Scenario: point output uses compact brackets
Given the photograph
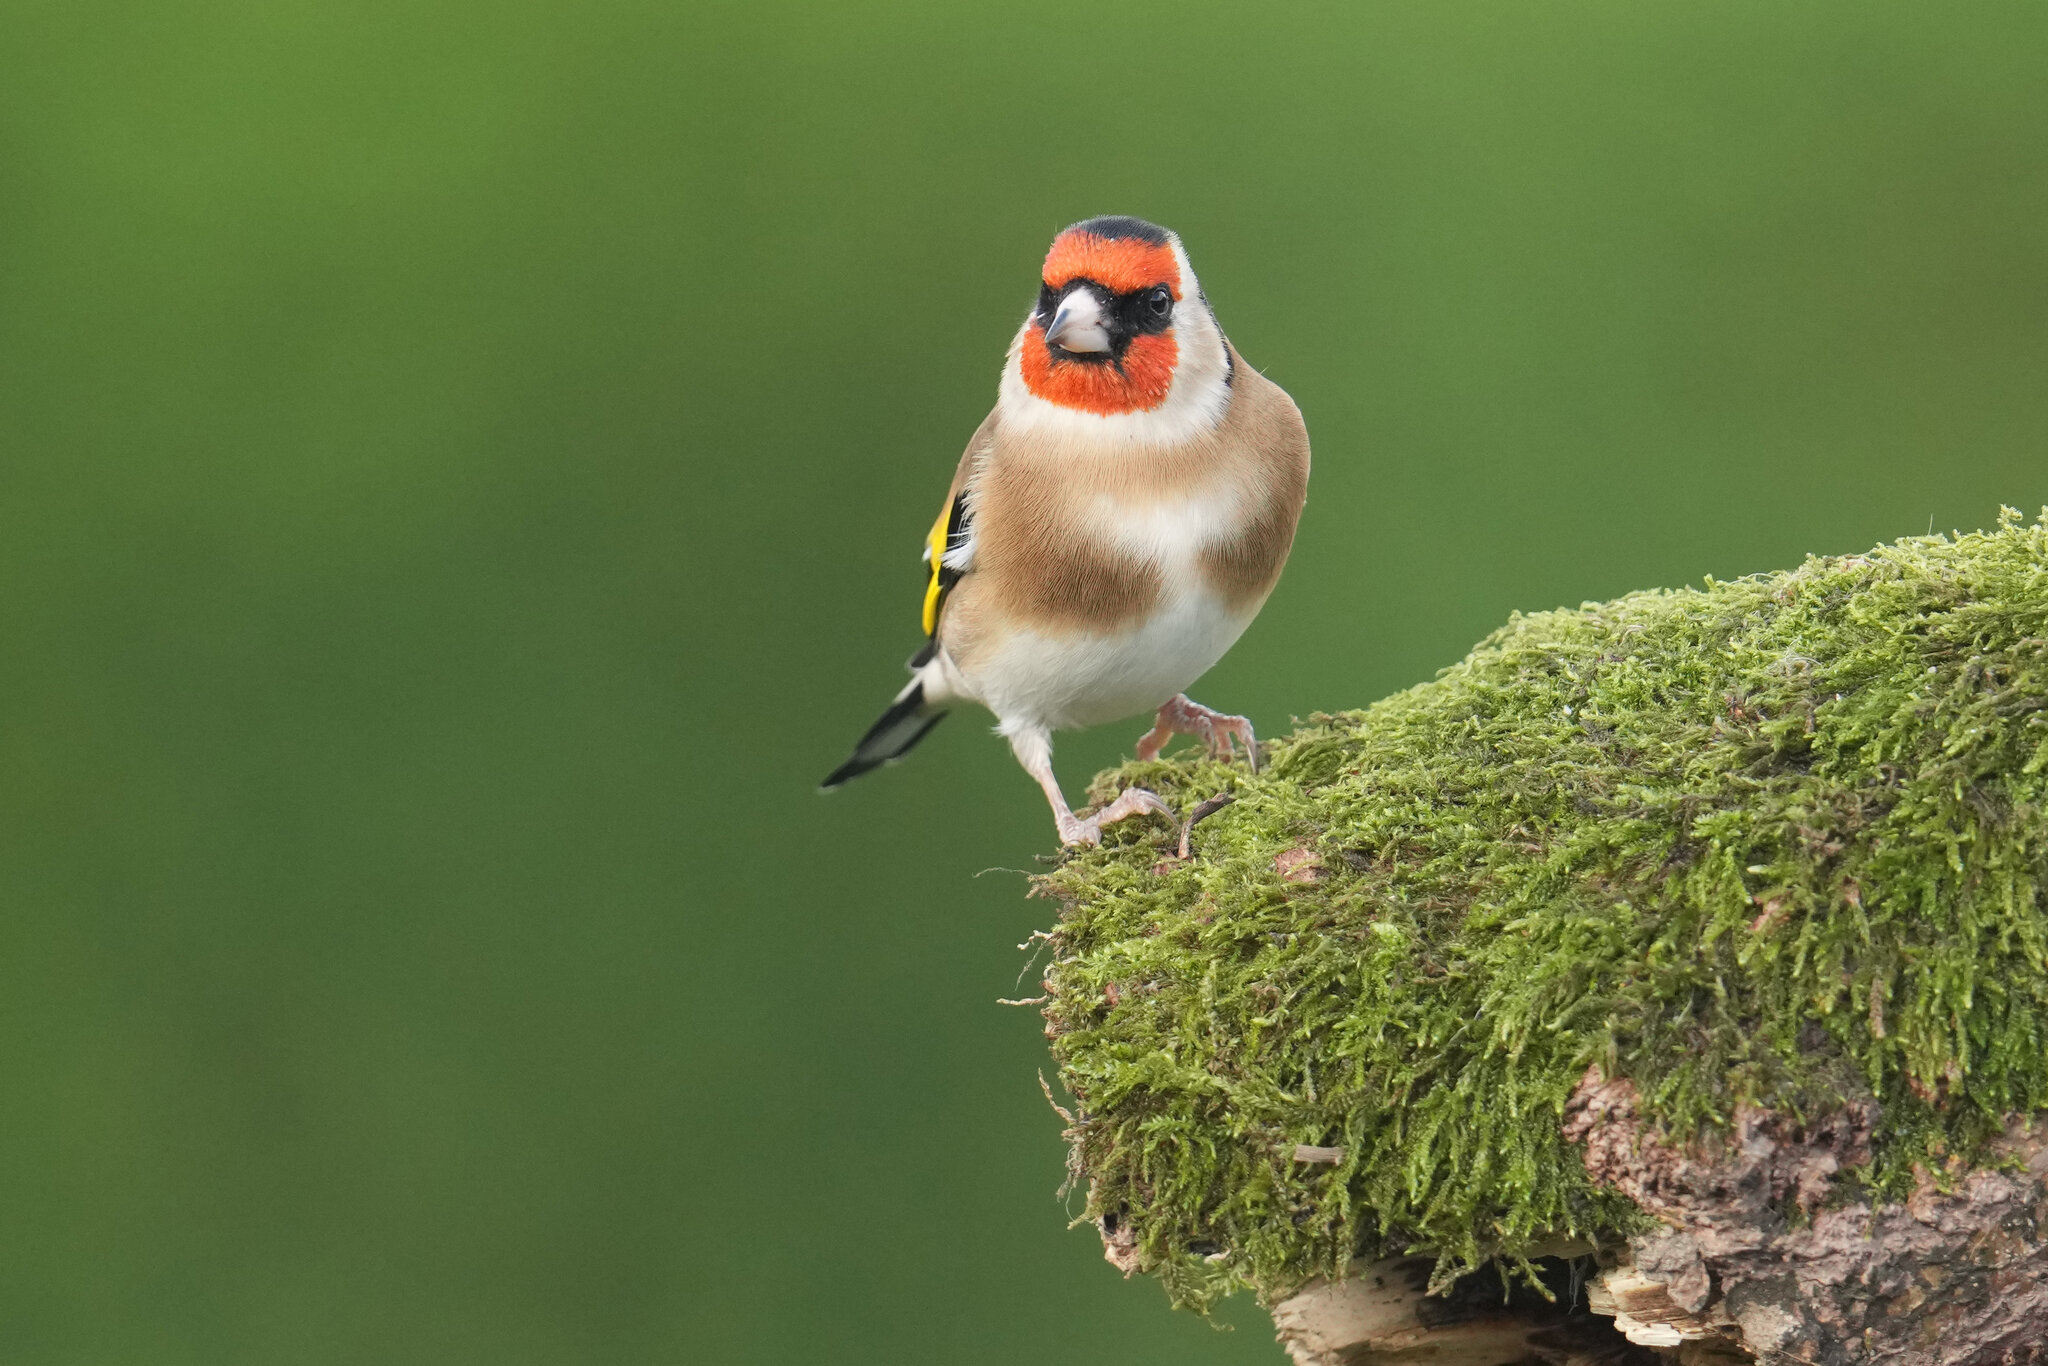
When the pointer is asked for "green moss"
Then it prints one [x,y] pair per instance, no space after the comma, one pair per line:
[1779,841]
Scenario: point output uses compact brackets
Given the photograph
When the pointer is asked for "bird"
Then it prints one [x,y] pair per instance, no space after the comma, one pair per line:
[1113,526]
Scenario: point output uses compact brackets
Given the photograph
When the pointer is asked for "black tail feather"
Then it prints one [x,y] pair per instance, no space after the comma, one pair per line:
[901,727]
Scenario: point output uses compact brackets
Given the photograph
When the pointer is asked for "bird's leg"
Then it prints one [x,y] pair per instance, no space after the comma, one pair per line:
[1216,730]
[1033,748]
[1154,740]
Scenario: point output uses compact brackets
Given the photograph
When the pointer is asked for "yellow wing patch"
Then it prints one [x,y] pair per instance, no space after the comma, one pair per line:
[936,542]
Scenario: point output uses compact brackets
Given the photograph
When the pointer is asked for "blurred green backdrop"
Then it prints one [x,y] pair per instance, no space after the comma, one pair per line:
[461,470]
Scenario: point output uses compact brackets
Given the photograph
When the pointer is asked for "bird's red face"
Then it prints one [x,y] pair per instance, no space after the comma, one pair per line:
[1101,338]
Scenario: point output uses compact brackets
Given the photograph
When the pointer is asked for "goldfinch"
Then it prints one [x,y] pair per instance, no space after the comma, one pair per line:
[1114,525]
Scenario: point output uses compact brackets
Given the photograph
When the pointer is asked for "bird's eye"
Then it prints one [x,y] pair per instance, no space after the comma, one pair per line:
[1160,301]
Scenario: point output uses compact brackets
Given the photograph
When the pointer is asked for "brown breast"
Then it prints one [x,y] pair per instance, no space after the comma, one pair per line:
[1039,562]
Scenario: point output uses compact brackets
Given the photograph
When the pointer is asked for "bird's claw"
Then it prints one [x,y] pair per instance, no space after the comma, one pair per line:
[1221,731]
[1216,730]
[1086,831]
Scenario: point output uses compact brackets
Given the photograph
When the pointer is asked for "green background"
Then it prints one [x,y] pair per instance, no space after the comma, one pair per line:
[461,470]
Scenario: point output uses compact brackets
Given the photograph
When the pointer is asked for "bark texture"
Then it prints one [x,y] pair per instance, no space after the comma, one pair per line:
[1382,1315]
[1755,1263]
[1957,1275]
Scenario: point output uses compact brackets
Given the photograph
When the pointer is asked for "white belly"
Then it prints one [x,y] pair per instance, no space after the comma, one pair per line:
[1069,681]
[1065,683]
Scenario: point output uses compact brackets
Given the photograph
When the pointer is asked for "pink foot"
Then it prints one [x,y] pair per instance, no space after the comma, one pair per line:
[1087,830]
[1215,729]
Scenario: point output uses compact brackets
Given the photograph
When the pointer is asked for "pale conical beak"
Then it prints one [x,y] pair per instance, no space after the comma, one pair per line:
[1078,326]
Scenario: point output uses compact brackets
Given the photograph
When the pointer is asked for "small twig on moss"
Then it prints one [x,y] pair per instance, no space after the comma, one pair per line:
[1202,813]
[1062,1111]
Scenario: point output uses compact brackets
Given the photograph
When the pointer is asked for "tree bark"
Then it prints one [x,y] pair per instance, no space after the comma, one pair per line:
[1755,1263]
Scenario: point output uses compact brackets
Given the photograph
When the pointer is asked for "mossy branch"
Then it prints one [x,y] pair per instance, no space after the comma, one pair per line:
[1778,844]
